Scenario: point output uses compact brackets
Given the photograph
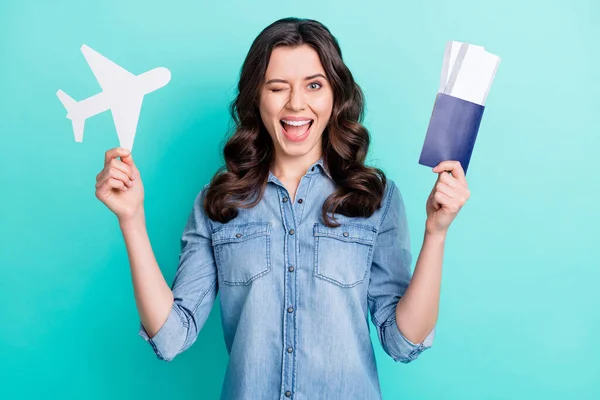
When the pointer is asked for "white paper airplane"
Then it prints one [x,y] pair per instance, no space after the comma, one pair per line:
[122,93]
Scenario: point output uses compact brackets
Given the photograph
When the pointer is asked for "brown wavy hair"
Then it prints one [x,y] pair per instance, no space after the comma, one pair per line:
[249,152]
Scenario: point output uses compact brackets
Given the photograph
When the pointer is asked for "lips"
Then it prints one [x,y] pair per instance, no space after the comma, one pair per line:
[296,130]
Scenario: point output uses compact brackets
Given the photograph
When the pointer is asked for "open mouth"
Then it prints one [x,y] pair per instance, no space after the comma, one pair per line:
[296,129]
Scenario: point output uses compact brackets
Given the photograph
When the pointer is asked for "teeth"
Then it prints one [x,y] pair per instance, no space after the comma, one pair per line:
[296,123]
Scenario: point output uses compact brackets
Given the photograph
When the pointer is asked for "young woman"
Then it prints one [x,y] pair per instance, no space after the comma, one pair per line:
[301,239]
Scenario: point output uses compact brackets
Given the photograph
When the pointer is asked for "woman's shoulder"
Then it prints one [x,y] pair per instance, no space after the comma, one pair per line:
[200,194]
[391,191]
[392,199]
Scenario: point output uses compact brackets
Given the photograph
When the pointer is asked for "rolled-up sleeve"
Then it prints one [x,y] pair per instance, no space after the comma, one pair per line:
[390,276]
[194,288]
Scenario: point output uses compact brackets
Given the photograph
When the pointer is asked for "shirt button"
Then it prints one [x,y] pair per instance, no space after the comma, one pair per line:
[345,234]
[285,199]
[289,349]
[291,231]
[290,309]
[291,268]
[238,235]
[300,201]
[288,394]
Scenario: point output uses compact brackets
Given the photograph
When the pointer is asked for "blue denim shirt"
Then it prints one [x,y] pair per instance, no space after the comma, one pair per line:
[295,295]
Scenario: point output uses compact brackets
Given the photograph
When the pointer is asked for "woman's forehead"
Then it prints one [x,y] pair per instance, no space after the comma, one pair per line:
[293,63]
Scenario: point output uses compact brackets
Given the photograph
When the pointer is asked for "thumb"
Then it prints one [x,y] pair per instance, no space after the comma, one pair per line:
[128,159]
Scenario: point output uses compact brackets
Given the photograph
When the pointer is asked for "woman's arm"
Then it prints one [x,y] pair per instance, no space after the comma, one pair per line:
[119,186]
[417,310]
[153,295]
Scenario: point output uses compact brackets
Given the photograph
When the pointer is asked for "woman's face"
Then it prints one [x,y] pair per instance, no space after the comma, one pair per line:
[296,102]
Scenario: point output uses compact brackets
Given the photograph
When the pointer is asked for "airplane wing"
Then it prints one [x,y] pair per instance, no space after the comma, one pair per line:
[109,75]
[126,113]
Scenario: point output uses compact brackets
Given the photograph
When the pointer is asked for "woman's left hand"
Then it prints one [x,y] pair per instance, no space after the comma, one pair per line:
[448,196]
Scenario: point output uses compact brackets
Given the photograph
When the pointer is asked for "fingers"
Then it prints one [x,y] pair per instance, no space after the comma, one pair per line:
[125,164]
[114,173]
[449,180]
[457,192]
[454,167]
[128,160]
[123,167]
[116,169]
[118,182]
[440,199]
[451,199]
[113,183]
[446,189]
[114,153]
[108,186]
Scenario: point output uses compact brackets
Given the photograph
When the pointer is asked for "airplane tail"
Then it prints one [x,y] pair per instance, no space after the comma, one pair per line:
[66,100]
[70,105]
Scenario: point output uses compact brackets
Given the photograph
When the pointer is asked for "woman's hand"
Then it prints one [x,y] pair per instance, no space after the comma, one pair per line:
[119,185]
[448,196]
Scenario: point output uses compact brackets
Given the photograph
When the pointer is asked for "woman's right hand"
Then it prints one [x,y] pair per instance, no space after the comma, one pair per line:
[119,185]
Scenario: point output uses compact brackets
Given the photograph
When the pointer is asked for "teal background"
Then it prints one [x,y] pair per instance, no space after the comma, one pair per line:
[519,309]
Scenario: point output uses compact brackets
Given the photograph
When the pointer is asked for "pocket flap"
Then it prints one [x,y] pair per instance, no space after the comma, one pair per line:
[240,232]
[359,233]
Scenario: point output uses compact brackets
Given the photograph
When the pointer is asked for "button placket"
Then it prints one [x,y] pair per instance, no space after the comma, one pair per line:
[290,288]
[300,202]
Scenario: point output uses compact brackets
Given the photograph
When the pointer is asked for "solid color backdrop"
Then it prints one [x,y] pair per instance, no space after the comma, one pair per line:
[519,309]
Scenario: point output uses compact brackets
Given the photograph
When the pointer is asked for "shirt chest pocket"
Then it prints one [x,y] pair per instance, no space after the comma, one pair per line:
[242,252]
[343,254]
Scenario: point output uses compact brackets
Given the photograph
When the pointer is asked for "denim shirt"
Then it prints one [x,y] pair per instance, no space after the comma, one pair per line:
[295,295]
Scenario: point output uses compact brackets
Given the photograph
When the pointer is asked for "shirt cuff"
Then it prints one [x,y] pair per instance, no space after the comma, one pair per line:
[400,347]
[170,338]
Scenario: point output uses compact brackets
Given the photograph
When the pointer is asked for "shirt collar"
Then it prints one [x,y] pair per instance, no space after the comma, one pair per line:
[316,168]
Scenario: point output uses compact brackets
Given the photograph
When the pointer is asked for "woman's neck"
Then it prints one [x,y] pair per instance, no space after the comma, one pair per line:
[290,170]
[293,168]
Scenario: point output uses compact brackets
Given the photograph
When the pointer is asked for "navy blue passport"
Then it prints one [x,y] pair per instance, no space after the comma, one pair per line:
[452,131]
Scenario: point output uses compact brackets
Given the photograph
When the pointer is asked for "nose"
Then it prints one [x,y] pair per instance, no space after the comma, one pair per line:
[296,101]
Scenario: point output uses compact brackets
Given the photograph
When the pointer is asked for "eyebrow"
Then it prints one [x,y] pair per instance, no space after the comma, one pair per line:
[306,79]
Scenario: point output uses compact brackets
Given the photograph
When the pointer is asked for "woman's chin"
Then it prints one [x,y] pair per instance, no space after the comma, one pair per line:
[296,149]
